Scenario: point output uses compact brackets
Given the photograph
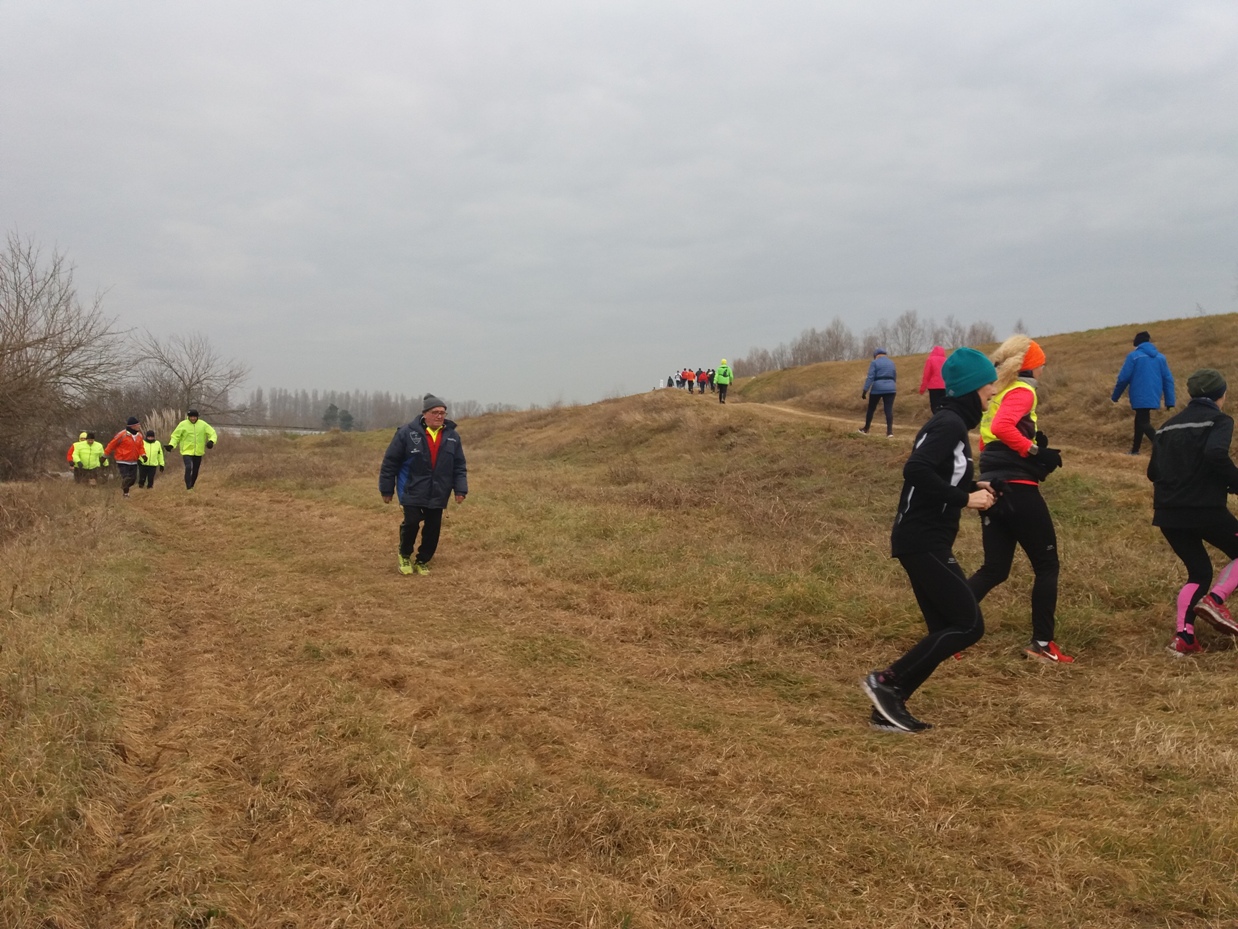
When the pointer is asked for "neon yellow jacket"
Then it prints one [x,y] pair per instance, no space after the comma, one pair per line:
[191,438]
[154,455]
[88,456]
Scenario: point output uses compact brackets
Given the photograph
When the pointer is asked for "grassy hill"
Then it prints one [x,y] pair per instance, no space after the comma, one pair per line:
[626,696]
[1079,377]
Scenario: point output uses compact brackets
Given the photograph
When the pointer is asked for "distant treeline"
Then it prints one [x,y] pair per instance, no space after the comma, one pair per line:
[348,410]
[907,335]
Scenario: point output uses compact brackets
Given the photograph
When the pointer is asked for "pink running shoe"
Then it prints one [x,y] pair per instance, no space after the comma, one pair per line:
[1217,615]
[1180,648]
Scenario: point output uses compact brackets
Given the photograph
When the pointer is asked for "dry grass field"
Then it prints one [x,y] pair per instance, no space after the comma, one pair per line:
[625,697]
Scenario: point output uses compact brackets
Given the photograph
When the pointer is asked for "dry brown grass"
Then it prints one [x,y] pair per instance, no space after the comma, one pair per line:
[625,697]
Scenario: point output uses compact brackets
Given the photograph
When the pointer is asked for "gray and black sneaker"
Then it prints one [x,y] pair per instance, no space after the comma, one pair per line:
[879,723]
[889,705]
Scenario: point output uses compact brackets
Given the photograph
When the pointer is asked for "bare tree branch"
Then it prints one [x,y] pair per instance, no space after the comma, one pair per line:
[186,371]
[55,353]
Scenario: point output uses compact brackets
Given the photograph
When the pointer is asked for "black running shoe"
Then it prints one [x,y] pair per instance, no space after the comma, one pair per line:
[889,704]
[879,723]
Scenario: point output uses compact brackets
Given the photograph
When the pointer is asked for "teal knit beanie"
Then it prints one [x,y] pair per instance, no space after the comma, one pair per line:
[966,370]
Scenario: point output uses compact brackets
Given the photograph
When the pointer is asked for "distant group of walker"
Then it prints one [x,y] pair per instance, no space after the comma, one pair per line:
[139,456]
[1145,372]
[712,379]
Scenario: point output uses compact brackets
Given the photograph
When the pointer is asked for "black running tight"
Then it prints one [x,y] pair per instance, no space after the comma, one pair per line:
[950,612]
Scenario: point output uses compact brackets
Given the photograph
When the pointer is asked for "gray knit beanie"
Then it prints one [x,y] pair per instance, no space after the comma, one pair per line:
[430,401]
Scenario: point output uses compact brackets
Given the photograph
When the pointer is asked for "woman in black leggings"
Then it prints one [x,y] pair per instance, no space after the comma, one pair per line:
[1014,459]
[937,486]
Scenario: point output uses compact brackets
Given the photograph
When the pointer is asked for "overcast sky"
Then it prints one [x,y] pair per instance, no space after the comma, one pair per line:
[535,201]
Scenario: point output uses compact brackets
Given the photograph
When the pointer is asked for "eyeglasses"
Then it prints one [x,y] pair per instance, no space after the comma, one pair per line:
[435,413]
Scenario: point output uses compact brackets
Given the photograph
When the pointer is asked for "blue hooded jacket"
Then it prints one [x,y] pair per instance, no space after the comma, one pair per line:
[1146,372]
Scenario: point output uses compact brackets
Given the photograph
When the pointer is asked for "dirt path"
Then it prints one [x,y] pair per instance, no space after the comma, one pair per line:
[219,706]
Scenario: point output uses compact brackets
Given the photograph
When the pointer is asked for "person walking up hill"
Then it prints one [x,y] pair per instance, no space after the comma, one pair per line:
[937,486]
[931,379]
[1014,459]
[880,384]
[1192,475]
[1146,372]
[723,378]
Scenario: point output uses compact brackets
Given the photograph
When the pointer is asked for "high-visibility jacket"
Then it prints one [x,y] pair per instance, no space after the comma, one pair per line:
[154,455]
[723,375]
[68,456]
[88,454]
[126,447]
[191,438]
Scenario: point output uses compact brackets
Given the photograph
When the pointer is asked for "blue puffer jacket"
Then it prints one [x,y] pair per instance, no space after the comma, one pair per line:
[406,466]
[881,376]
[1146,372]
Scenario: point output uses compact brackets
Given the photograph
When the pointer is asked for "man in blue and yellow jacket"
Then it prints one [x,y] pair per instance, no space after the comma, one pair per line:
[192,437]
[424,465]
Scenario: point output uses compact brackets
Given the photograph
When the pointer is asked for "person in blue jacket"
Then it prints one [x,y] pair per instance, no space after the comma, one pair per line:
[1146,373]
[880,385]
[424,465]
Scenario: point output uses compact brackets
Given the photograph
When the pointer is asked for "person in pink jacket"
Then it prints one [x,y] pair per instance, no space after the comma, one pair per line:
[932,380]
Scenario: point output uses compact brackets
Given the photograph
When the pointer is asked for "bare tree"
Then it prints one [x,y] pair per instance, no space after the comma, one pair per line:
[980,333]
[186,371]
[839,344]
[908,335]
[55,353]
[876,337]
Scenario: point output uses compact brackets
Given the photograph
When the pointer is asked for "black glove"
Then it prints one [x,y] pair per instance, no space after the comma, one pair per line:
[168,448]
[863,394]
[1042,440]
[210,444]
[78,466]
[161,467]
[1050,459]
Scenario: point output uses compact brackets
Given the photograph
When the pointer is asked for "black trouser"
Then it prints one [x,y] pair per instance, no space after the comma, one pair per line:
[431,521]
[193,464]
[128,475]
[722,392]
[1188,545]
[1021,518]
[937,396]
[950,611]
[888,399]
[146,475]
[1143,419]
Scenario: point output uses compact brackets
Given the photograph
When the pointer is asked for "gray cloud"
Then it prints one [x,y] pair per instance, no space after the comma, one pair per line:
[527,202]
